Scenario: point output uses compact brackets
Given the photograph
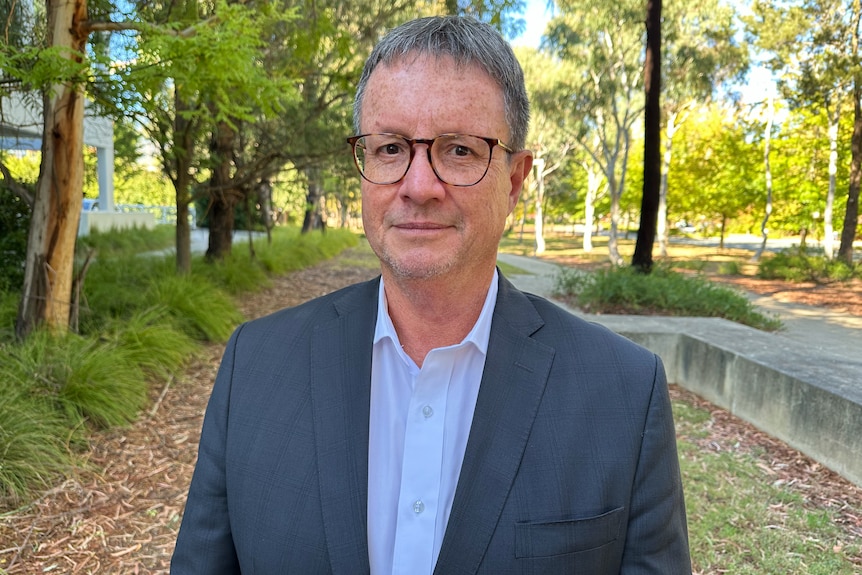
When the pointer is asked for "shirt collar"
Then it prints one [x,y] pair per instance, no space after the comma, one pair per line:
[479,335]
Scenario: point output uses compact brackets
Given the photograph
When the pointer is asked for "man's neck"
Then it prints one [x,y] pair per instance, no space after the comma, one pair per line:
[432,313]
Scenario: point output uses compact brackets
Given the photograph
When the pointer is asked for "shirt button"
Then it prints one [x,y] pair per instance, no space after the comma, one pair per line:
[427,411]
[418,506]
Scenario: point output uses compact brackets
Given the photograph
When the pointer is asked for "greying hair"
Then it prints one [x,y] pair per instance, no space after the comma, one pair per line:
[468,42]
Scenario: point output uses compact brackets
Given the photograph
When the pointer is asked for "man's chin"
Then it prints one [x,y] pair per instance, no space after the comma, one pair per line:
[417,268]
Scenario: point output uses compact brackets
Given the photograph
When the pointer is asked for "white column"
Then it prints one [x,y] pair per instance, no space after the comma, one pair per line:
[105,171]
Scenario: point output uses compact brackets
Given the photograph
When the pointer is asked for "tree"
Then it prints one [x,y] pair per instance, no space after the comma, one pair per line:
[813,46]
[642,258]
[550,135]
[717,176]
[602,42]
[48,273]
[700,55]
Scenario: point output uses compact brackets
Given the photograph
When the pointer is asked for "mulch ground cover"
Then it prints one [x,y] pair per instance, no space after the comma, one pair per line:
[119,512]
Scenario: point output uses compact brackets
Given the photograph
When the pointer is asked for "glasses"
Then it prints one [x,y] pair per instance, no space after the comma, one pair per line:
[457,159]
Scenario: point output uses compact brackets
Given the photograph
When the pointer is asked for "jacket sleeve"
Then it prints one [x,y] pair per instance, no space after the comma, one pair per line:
[205,544]
[657,538]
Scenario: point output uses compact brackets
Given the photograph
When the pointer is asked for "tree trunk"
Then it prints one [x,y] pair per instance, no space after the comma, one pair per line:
[828,241]
[313,219]
[223,197]
[642,258]
[661,224]
[264,196]
[49,268]
[183,144]
[764,231]
[848,233]
[594,180]
[613,232]
[539,164]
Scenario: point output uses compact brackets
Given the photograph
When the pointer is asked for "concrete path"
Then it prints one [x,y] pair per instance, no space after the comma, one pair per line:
[819,328]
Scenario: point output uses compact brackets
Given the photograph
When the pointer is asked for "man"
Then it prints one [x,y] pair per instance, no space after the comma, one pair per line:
[436,419]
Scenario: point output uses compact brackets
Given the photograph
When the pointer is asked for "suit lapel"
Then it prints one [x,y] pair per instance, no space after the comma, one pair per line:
[340,393]
[516,371]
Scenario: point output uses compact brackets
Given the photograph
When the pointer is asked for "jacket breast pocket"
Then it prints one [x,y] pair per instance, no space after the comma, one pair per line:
[547,539]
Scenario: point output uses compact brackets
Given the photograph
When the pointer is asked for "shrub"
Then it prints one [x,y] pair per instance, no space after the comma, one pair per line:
[139,321]
[662,292]
[32,448]
[86,379]
[152,341]
[797,265]
[14,228]
[199,308]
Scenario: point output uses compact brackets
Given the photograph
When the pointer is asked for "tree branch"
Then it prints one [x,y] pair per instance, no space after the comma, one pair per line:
[16,187]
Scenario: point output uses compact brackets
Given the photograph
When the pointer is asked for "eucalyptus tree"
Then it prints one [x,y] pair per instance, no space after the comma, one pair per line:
[813,47]
[56,67]
[603,43]
[701,55]
[716,178]
[550,136]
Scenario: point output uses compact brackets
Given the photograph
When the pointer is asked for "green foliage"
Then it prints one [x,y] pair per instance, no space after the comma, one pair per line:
[662,292]
[200,309]
[127,242]
[140,322]
[292,251]
[152,341]
[798,265]
[86,379]
[14,228]
[8,311]
[33,450]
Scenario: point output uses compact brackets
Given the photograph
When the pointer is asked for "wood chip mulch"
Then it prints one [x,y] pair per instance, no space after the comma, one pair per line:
[119,512]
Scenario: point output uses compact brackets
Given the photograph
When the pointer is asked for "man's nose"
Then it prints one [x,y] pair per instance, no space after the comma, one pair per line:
[421,183]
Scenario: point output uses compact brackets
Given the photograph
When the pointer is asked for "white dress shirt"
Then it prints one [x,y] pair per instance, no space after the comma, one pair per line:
[419,423]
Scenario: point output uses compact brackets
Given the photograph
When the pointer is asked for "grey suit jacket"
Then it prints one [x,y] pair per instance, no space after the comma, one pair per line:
[570,466]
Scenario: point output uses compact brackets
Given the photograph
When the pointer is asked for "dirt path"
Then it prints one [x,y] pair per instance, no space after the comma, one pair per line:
[120,513]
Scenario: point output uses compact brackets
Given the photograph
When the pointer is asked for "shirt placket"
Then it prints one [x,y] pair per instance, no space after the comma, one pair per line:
[419,499]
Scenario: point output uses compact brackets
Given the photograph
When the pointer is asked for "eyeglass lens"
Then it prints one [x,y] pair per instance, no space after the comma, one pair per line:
[457,159]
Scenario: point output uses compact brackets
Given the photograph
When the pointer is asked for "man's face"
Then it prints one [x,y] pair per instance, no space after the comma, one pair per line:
[420,227]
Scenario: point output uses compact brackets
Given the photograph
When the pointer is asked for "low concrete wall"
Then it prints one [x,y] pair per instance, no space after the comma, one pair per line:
[807,398]
[106,221]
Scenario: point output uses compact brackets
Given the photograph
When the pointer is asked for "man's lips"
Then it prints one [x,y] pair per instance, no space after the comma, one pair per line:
[420,226]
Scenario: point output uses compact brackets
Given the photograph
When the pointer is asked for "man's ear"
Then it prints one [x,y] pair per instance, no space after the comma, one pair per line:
[519,169]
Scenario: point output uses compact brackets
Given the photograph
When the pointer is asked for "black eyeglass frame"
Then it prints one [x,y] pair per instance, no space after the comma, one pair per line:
[492,142]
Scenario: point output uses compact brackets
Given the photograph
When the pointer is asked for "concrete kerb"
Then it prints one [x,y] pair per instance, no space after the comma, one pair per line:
[804,395]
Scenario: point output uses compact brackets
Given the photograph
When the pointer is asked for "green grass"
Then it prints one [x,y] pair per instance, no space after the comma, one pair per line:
[198,307]
[742,521]
[33,449]
[88,379]
[139,323]
[510,270]
[127,242]
[662,292]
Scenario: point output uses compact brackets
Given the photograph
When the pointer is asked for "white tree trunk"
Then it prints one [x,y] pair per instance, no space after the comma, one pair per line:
[828,241]
[661,224]
[539,166]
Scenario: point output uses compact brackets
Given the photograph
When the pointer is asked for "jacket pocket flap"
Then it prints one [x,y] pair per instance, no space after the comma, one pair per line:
[547,539]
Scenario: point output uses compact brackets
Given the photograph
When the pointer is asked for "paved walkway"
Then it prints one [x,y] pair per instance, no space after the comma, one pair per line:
[817,327]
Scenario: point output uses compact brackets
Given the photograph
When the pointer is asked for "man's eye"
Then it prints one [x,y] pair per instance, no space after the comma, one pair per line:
[460,150]
[391,149]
